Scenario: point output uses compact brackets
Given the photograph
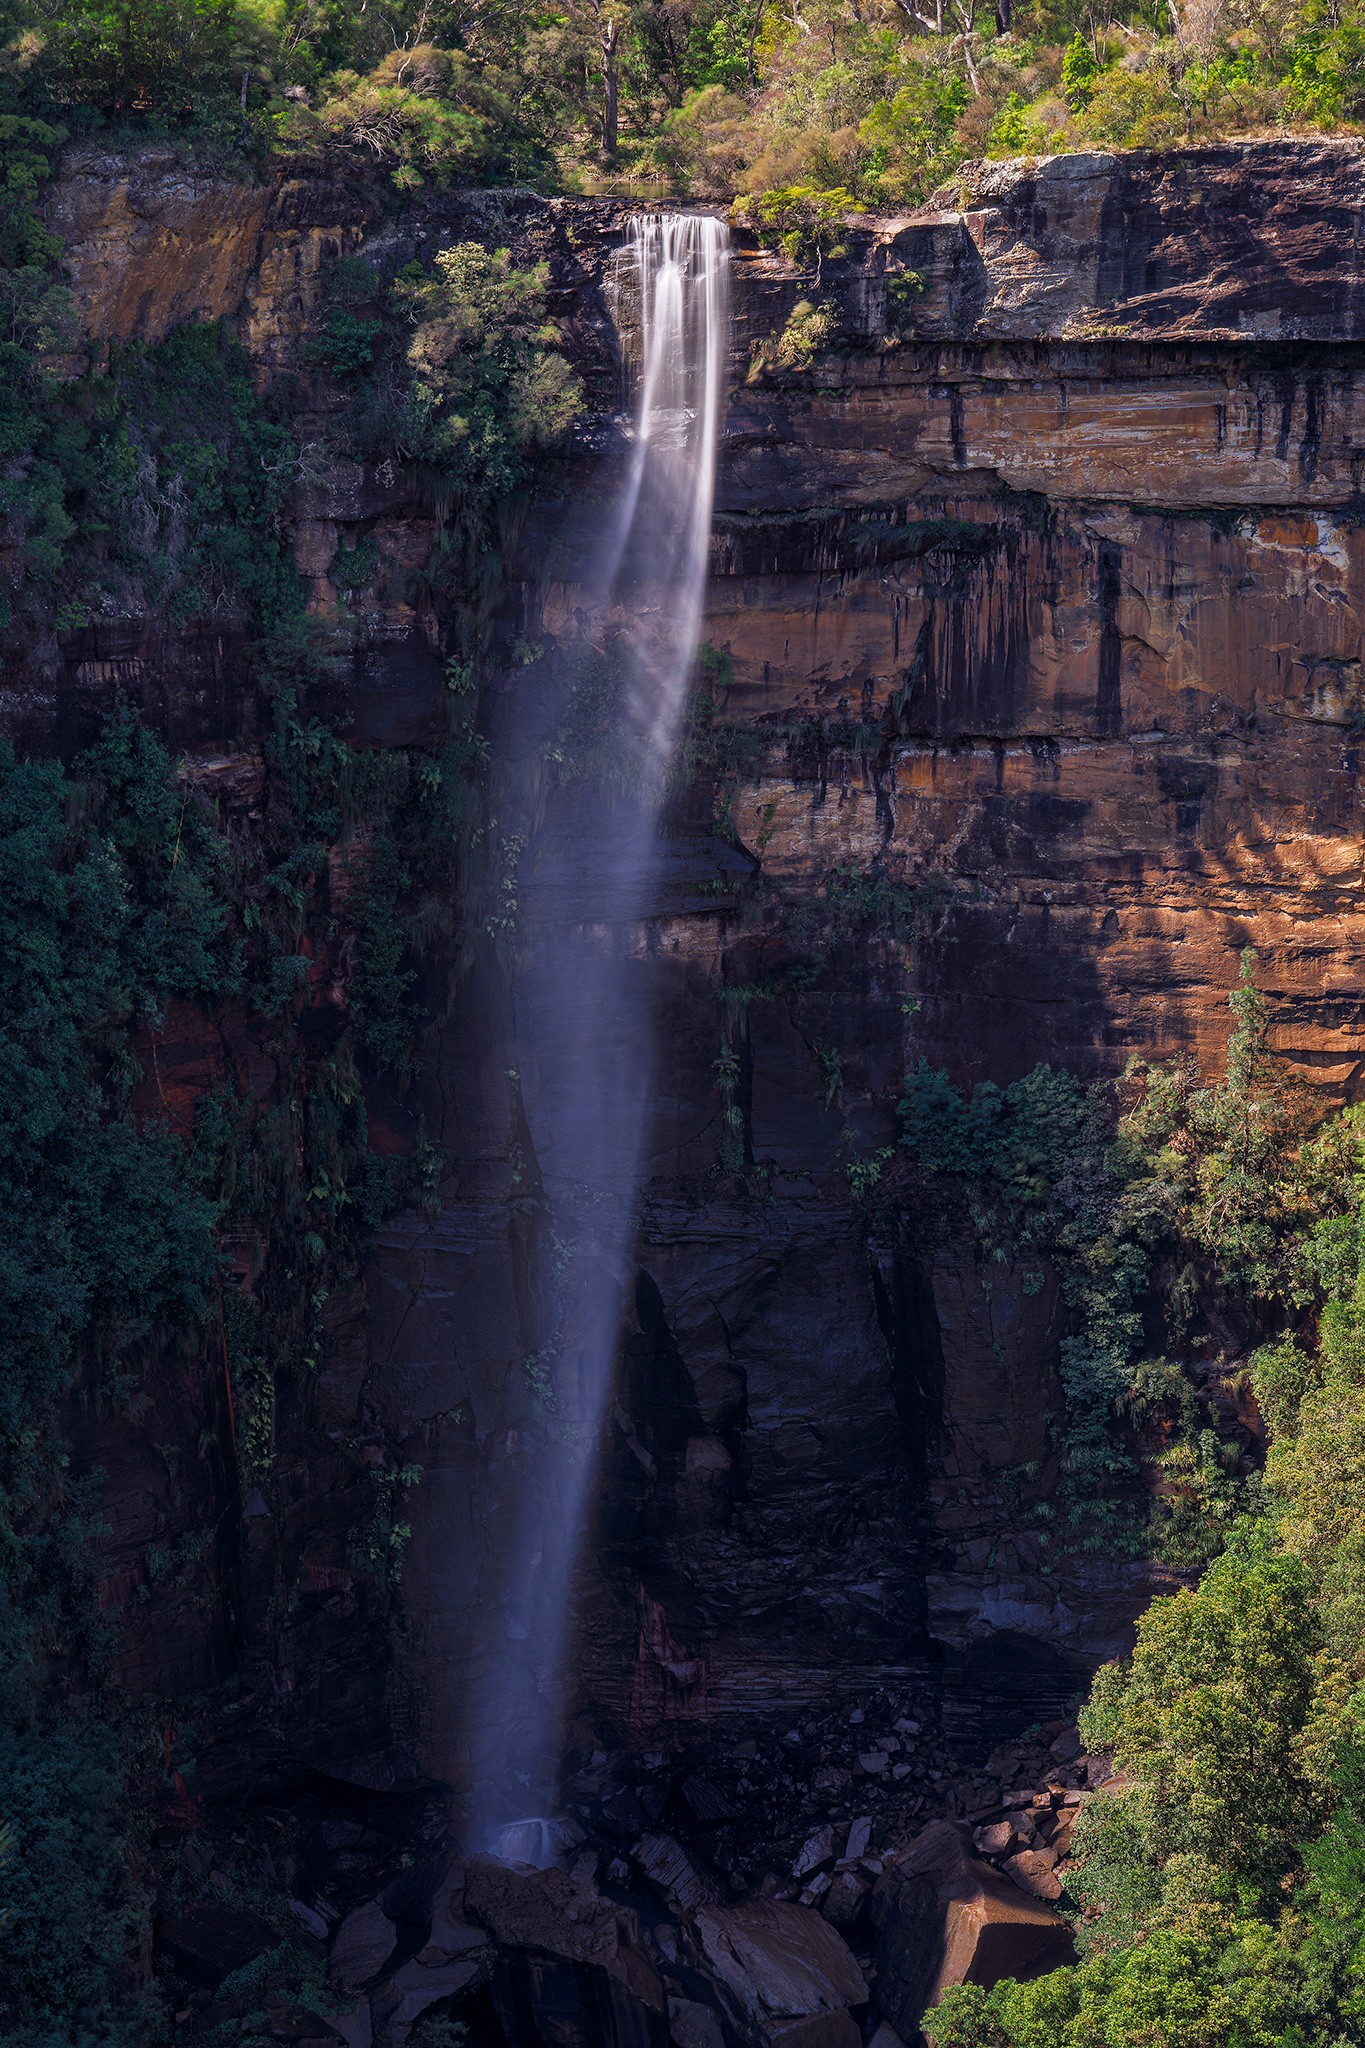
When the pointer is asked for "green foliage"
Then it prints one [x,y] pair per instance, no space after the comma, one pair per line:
[148,56]
[903,289]
[1223,1879]
[1018,130]
[1080,68]
[1222,1185]
[111,903]
[103,921]
[1208,1713]
[120,895]
[808,332]
[490,384]
[805,224]
[72,1895]
[155,487]
[424,113]
[346,345]
[868,106]
[382,977]
[1222,1983]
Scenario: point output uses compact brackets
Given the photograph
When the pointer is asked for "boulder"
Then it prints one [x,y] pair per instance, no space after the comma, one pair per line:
[996,1840]
[1032,1870]
[784,1975]
[364,1942]
[451,1936]
[356,2028]
[208,1942]
[859,1837]
[818,1851]
[945,1917]
[673,1873]
[693,2026]
[399,2002]
[571,1967]
[708,1806]
[842,1904]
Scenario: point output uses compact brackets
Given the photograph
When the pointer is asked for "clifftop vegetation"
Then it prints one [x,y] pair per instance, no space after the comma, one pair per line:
[830,103]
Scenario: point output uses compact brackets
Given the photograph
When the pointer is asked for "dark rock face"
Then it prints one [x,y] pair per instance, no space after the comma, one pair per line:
[210,1942]
[1049,610]
[572,1967]
[944,1917]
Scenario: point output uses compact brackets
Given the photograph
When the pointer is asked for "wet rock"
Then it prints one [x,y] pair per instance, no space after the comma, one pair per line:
[944,1917]
[785,1974]
[571,1965]
[364,1942]
[208,1942]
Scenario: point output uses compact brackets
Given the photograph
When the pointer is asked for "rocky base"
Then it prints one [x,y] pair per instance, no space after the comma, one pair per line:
[791,1889]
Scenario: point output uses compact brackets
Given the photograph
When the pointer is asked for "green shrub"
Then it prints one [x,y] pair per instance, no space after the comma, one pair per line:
[1208,1713]
[490,385]
[74,1886]
[805,224]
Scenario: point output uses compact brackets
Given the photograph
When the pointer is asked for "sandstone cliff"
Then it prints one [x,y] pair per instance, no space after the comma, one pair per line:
[1045,610]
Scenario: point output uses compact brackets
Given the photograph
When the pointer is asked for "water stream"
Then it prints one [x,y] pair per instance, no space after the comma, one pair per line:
[583,1019]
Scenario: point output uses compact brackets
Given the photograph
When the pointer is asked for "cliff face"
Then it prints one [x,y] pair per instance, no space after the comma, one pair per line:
[1045,612]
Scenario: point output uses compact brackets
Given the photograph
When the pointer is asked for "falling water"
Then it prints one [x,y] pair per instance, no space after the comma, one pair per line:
[583,1022]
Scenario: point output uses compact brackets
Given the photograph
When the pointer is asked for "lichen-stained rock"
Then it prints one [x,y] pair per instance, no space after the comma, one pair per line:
[1255,239]
[787,1977]
[944,1917]
[149,242]
[571,1968]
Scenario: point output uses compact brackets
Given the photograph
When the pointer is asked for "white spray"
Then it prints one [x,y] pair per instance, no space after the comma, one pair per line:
[582,1011]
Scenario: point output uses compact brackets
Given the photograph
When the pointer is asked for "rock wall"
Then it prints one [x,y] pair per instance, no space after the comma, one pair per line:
[1046,611]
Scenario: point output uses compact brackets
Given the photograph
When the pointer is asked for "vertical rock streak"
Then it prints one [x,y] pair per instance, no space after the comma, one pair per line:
[583,1026]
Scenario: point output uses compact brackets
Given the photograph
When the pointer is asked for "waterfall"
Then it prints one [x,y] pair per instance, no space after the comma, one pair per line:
[583,1024]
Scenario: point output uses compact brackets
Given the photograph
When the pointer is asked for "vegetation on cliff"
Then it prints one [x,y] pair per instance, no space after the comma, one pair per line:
[1221,1888]
[281,922]
[134,909]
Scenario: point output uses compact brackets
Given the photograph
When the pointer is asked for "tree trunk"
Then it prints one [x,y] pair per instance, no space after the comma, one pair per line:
[610,114]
